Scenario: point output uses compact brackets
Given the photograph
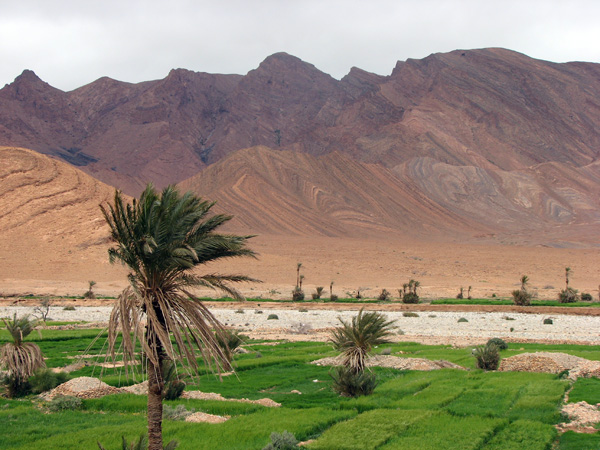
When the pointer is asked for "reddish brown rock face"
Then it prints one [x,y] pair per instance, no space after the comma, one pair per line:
[486,143]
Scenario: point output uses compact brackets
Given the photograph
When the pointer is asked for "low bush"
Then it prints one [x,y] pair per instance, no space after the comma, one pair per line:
[487,357]
[522,297]
[15,386]
[384,296]
[273,317]
[410,297]
[386,351]
[500,343]
[45,379]
[462,320]
[239,311]
[548,321]
[69,308]
[333,298]
[348,383]
[298,295]
[282,441]
[141,444]
[178,412]
[409,314]
[568,295]
[64,403]
[586,297]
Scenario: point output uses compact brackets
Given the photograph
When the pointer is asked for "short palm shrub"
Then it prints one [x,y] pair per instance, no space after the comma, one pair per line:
[45,379]
[500,343]
[273,317]
[522,297]
[586,297]
[282,441]
[568,295]
[333,298]
[89,294]
[298,295]
[548,321]
[20,359]
[349,383]
[384,296]
[410,297]
[64,403]
[355,340]
[318,292]
[487,357]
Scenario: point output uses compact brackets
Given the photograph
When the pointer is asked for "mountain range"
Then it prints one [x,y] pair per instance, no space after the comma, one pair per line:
[481,144]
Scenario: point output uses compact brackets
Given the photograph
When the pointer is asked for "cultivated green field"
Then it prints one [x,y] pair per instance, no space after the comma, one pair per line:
[445,409]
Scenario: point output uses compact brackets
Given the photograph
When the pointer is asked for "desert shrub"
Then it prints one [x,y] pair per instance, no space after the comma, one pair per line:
[239,311]
[69,308]
[349,383]
[333,298]
[500,343]
[410,297]
[45,379]
[409,314]
[384,296]
[318,292]
[386,351]
[89,294]
[298,295]
[16,386]
[508,318]
[521,297]
[462,320]
[282,441]
[303,310]
[487,357]
[64,403]
[586,297]
[548,321]
[178,412]
[568,295]
[273,317]
[258,354]
[230,340]
[258,311]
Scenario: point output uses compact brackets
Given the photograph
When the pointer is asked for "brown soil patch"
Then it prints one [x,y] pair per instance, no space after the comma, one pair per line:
[548,362]
[206,418]
[213,396]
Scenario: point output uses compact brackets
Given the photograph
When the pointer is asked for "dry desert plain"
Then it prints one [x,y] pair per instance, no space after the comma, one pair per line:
[351,263]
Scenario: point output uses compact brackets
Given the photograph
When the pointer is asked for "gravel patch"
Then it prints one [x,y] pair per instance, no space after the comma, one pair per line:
[440,325]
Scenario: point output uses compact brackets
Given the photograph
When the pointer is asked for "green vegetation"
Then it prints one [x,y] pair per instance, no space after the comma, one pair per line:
[442,409]
[489,301]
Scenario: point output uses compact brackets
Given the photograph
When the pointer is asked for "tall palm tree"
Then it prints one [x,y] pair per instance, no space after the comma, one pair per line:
[21,359]
[161,238]
[356,339]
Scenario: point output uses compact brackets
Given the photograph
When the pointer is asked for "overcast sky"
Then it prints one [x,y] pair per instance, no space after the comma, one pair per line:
[69,43]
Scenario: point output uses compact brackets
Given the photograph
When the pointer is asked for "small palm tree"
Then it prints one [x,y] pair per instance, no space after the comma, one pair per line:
[162,238]
[21,359]
[567,273]
[356,339]
[298,266]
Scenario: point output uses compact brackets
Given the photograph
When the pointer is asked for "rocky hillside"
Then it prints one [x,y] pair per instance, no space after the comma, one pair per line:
[478,142]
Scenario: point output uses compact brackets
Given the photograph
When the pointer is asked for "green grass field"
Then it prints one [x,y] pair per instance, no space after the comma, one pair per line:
[444,409]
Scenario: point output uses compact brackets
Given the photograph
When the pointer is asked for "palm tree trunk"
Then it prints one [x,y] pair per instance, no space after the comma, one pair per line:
[155,406]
